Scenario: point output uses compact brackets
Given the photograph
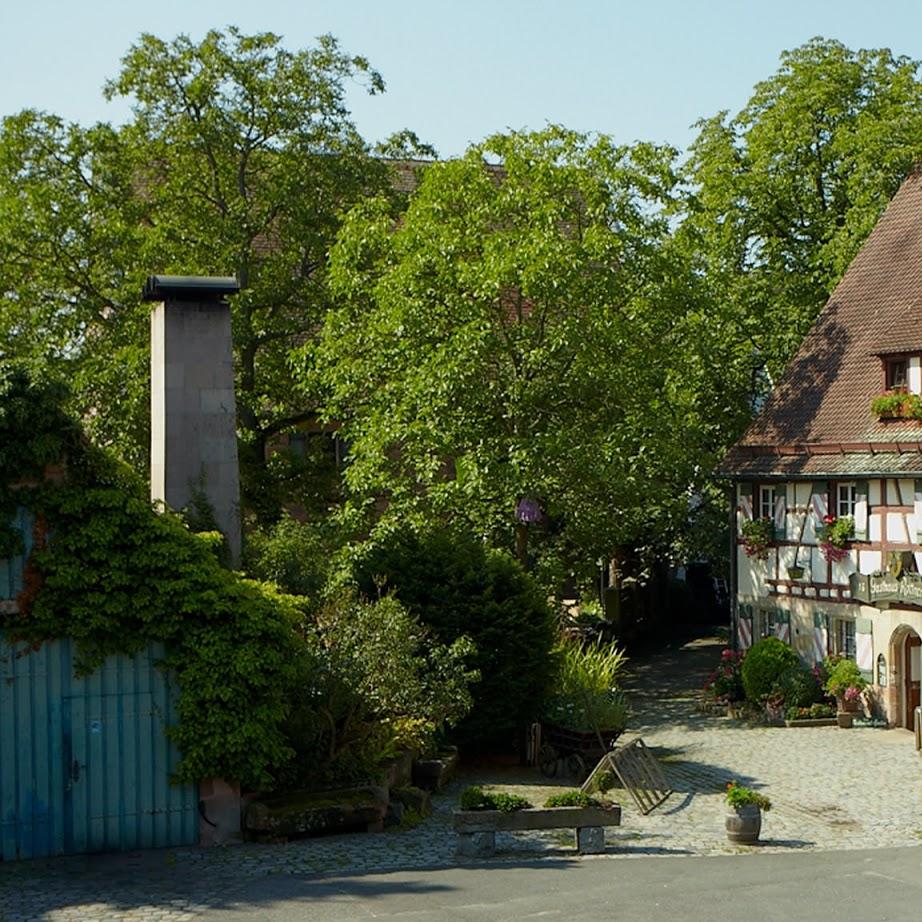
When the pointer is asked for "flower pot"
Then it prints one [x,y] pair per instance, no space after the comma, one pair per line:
[744,824]
[795,572]
[848,705]
[844,720]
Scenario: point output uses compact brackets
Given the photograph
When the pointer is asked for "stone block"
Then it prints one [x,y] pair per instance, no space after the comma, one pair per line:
[304,813]
[476,844]
[590,840]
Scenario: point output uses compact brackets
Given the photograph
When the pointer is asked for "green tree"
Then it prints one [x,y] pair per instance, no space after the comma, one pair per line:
[239,157]
[785,192]
[522,332]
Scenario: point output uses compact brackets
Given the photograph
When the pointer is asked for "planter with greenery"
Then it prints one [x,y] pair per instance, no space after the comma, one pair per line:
[744,821]
[757,535]
[484,813]
[846,684]
[834,536]
[816,715]
[897,406]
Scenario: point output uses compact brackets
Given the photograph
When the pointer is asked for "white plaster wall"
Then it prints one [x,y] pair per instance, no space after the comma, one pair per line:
[871,562]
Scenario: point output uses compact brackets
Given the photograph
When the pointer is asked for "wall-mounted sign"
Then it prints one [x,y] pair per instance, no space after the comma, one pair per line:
[885,587]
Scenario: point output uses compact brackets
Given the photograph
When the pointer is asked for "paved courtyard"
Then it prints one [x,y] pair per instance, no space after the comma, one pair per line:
[831,789]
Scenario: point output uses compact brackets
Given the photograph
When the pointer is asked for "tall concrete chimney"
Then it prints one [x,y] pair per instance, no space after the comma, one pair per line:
[193,410]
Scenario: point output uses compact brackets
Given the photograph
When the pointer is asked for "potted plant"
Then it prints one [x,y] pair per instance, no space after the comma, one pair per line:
[845,683]
[834,535]
[757,535]
[744,820]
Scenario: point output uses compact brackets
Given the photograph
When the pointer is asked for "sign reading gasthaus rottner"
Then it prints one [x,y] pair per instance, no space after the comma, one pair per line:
[885,587]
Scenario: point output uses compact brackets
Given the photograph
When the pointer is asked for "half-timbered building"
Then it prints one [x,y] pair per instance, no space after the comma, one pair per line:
[832,466]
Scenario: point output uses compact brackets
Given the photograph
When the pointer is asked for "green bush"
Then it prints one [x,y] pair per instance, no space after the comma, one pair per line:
[798,686]
[371,682]
[764,665]
[457,587]
[295,555]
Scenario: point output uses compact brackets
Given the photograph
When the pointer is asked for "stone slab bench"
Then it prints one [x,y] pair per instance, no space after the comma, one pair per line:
[312,813]
[477,828]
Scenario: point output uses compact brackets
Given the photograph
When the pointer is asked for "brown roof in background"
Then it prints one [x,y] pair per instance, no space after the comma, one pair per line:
[825,394]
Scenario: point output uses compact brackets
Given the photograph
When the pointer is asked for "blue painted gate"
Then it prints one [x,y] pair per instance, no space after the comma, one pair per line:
[85,764]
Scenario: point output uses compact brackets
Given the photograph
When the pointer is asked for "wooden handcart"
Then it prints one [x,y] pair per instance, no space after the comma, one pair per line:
[576,750]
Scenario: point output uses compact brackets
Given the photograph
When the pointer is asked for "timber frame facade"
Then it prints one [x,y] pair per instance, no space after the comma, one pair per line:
[827,452]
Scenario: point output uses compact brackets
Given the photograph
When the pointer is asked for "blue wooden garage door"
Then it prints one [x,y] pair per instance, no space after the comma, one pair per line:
[85,765]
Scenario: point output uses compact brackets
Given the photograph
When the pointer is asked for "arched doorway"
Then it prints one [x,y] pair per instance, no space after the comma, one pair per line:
[906,659]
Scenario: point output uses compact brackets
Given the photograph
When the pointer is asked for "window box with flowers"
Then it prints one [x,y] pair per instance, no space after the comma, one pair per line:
[834,536]
[757,535]
[898,405]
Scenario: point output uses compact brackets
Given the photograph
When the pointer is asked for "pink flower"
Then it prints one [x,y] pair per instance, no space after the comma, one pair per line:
[852,693]
[829,519]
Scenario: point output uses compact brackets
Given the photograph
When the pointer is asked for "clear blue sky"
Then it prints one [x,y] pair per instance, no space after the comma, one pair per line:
[457,70]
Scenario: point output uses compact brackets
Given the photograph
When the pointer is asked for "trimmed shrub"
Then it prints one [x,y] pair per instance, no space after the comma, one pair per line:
[765,663]
[798,686]
[457,587]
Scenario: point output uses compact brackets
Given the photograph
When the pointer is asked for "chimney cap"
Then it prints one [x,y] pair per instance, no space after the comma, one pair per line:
[189,287]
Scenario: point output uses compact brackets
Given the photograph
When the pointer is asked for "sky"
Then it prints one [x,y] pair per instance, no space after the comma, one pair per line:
[459,70]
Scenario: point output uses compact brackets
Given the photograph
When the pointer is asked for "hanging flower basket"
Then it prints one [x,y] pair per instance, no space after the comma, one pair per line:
[834,536]
[757,537]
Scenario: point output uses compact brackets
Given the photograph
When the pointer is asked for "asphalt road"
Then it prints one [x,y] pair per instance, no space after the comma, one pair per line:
[884,885]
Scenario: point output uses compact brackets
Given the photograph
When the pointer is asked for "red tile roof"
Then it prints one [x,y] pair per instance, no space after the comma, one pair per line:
[824,397]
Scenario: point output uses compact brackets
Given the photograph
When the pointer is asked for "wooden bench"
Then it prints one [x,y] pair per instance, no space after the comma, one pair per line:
[477,828]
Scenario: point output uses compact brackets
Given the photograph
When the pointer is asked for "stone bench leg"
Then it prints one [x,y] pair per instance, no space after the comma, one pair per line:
[476,844]
[590,840]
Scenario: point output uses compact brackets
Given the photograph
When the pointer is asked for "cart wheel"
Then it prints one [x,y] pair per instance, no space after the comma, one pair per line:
[576,767]
[547,760]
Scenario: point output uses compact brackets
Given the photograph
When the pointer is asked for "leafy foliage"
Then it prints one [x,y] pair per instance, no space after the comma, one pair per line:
[726,682]
[115,575]
[457,587]
[524,332]
[238,158]
[799,686]
[842,675]
[785,192]
[739,796]
[572,799]
[371,681]
[585,694]
[764,665]
[757,535]
[475,798]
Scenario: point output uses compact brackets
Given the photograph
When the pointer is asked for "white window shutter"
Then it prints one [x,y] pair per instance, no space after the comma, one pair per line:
[820,636]
[780,518]
[917,509]
[861,510]
[745,500]
[864,648]
[819,501]
[745,626]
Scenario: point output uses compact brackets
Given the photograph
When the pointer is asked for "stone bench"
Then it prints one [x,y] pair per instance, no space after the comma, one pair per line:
[477,828]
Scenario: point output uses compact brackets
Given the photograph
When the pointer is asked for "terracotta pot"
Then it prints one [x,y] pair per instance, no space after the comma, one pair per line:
[744,824]
[846,706]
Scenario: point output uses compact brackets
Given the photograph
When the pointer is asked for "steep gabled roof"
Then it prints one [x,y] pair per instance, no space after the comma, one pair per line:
[823,401]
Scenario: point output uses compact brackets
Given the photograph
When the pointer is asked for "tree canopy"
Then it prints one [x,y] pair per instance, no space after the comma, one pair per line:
[785,192]
[522,333]
[239,157]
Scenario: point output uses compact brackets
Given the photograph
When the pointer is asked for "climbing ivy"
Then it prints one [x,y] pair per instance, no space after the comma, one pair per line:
[115,574]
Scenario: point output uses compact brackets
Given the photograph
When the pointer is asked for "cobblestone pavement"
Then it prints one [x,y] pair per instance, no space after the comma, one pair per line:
[831,789]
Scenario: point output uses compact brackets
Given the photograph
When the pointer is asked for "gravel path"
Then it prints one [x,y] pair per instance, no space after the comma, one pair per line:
[831,789]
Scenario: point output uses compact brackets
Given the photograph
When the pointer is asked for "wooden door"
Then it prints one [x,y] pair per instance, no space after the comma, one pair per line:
[912,669]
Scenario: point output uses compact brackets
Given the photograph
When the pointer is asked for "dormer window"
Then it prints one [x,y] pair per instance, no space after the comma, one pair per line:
[896,373]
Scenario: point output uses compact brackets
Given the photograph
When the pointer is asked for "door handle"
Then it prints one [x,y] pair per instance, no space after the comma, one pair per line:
[75,771]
